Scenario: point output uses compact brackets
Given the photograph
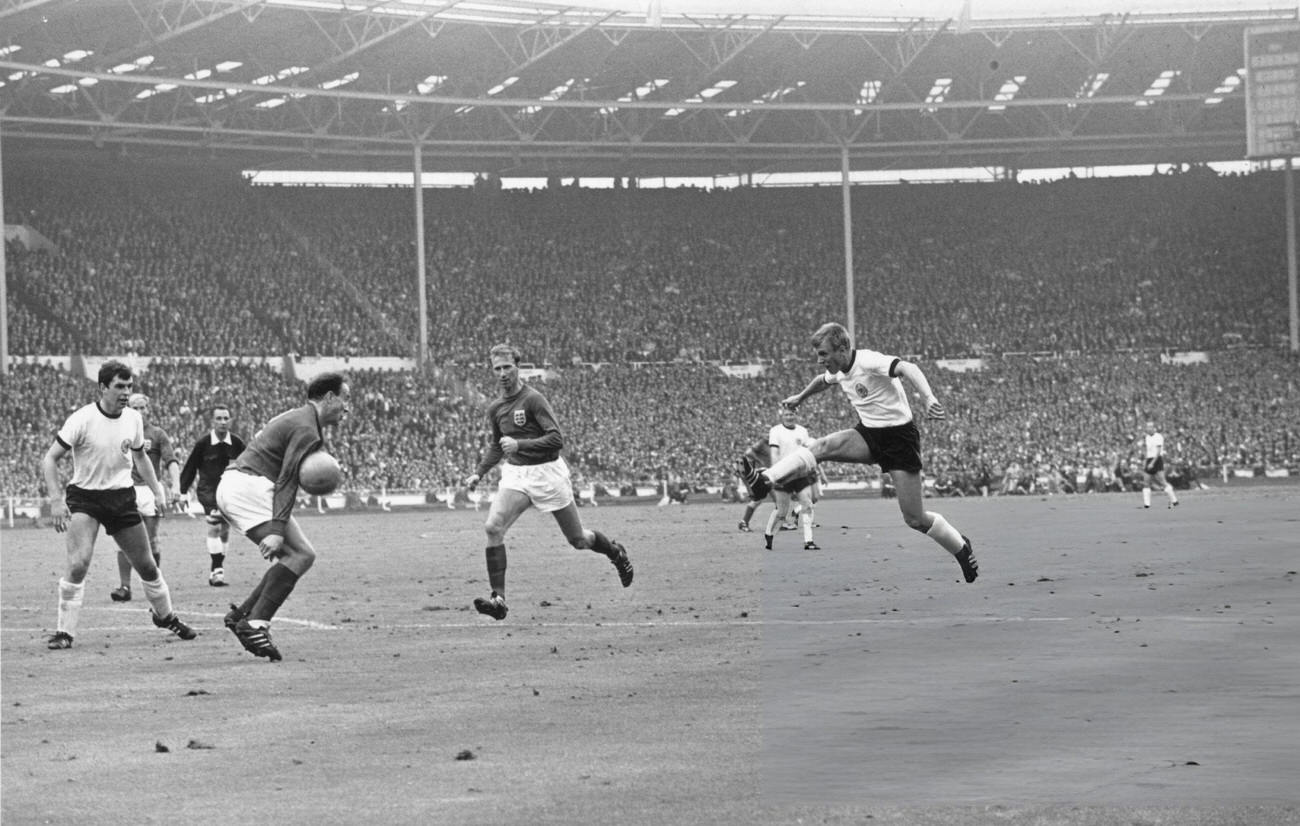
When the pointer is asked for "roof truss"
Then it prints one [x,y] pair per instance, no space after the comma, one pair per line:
[599,126]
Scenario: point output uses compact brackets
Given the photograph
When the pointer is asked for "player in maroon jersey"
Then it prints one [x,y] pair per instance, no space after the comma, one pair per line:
[526,435]
[257,494]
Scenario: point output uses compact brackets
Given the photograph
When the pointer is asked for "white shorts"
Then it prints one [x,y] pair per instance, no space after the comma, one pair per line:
[145,501]
[245,500]
[546,485]
[784,499]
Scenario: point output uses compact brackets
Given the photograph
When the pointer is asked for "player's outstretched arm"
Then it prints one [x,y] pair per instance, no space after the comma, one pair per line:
[914,376]
[817,385]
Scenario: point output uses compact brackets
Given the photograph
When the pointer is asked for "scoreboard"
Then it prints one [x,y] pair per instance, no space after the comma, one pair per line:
[1272,91]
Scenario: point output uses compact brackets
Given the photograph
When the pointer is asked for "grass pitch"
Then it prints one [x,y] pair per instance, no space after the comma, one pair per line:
[1112,665]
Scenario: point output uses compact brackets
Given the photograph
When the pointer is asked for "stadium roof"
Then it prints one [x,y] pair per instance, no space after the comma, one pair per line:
[637,88]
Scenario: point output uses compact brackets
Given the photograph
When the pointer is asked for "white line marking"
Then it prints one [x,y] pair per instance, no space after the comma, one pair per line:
[319,626]
[696,623]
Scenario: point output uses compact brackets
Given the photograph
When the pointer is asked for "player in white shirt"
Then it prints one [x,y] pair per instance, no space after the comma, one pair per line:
[106,439]
[1153,467]
[783,440]
[884,435]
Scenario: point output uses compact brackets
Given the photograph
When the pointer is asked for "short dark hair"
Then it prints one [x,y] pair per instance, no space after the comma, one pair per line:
[212,411]
[110,370]
[325,383]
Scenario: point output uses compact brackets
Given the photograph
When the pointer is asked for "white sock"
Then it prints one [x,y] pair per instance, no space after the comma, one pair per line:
[805,519]
[1146,497]
[800,462]
[215,545]
[773,519]
[1169,491]
[160,597]
[70,597]
[945,534]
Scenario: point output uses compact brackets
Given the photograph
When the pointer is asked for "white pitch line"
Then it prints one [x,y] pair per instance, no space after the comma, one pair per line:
[318,626]
[697,623]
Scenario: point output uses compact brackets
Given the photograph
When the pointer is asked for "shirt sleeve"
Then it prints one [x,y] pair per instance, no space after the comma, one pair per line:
[302,440]
[492,452]
[191,467]
[167,454]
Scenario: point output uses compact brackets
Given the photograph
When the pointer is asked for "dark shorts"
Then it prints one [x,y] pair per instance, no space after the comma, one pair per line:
[114,509]
[1154,467]
[893,448]
[208,501]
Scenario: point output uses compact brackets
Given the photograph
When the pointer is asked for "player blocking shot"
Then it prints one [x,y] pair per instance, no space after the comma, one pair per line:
[526,440]
[884,435]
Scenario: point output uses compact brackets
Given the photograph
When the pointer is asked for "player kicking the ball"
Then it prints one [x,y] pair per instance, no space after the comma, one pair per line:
[526,435]
[885,434]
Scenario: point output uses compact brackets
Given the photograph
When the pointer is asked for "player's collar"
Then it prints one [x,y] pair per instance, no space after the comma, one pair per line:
[216,440]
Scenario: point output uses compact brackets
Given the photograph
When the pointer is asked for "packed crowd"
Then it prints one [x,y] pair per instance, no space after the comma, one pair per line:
[636,295]
[201,264]
[1021,425]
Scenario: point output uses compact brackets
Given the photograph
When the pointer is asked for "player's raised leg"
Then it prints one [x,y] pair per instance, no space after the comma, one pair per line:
[840,446]
[579,537]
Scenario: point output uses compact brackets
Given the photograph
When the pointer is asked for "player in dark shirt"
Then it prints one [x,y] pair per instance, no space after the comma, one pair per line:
[524,433]
[208,460]
[760,454]
[257,494]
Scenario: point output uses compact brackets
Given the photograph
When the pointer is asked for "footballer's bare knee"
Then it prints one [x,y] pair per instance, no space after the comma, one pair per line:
[495,530]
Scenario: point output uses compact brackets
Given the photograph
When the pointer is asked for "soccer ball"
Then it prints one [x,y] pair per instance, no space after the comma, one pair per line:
[319,474]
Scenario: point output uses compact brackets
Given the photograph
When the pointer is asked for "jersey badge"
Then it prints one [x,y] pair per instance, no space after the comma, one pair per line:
[520,417]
